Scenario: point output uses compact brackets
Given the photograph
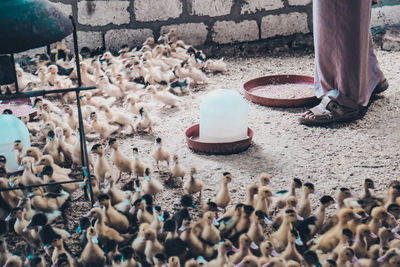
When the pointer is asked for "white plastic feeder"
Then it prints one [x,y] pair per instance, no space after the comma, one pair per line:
[12,129]
[223,117]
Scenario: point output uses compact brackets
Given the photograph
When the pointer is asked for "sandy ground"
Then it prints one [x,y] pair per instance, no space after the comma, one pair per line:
[330,157]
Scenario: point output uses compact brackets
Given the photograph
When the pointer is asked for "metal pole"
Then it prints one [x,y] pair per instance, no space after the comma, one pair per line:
[84,155]
[48,50]
[39,185]
[15,73]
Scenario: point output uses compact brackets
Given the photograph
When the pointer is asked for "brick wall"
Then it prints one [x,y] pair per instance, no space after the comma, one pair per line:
[209,24]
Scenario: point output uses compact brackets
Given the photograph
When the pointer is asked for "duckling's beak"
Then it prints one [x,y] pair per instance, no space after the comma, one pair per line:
[355,260]
[96,204]
[267,220]
[215,222]
[299,242]
[107,147]
[37,163]
[299,218]
[274,253]
[382,259]
[396,235]
[143,240]
[357,216]
[79,229]
[20,167]
[396,229]
[254,245]
[31,194]
[8,217]
[235,249]
[47,247]
[12,149]
[182,228]
[132,210]
[87,214]
[241,264]
[373,235]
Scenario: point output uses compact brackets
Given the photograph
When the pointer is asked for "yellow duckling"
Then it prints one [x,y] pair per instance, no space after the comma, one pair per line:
[102,128]
[47,201]
[280,238]
[113,218]
[47,160]
[223,197]
[209,232]
[160,154]
[216,65]
[102,229]
[18,146]
[222,258]
[28,176]
[151,186]
[164,97]
[145,122]
[101,166]
[52,148]
[11,197]
[117,117]
[245,243]
[13,261]
[64,147]
[256,232]
[72,120]
[92,254]
[50,177]
[177,169]
[378,214]
[263,199]
[193,184]
[20,224]
[291,253]
[305,204]
[139,243]
[122,162]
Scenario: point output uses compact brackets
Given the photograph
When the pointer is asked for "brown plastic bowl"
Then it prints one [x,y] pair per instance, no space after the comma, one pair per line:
[192,138]
[279,102]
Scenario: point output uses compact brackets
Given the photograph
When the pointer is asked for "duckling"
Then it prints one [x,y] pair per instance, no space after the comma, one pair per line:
[311,225]
[138,166]
[346,255]
[249,261]
[128,259]
[113,218]
[18,146]
[57,244]
[87,79]
[51,148]
[280,201]
[63,146]
[50,177]
[197,75]
[47,201]
[242,226]
[267,252]
[372,259]
[216,65]
[122,162]
[101,166]
[72,120]
[145,122]
[174,262]
[102,128]
[177,169]
[280,238]
[139,243]
[4,253]
[108,88]
[151,186]
[227,223]
[116,194]
[20,224]
[360,244]
[47,160]
[330,239]
[193,184]
[153,246]
[196,247]
[263,197]
[390,256]
[13,261]
[222,259]
[11,197]
[160,154]
[102,230]
[223,196]
[135,105]
[33,128]
[291,204]
[256,232]
[117,117]
[245,243]
[28,176]
[305,204]
[378,214]
[164,97]
[127,86]
[343,193]
[209,233]
[92,254]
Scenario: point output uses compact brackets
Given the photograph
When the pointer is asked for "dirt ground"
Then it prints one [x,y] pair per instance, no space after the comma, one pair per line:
[330,157]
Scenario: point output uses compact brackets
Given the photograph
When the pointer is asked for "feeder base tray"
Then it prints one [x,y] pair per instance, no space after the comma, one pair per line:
[192,138]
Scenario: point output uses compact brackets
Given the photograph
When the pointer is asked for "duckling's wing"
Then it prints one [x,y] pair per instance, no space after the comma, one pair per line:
[332,221]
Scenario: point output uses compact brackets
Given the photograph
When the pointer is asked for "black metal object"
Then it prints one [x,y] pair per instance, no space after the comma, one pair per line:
[28,24]
[84,154]
[40,185]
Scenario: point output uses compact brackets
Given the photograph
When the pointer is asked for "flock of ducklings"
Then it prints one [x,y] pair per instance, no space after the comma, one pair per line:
[127,228]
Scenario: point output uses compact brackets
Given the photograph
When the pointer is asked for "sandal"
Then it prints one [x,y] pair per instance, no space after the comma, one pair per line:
[328,111]
[381,87]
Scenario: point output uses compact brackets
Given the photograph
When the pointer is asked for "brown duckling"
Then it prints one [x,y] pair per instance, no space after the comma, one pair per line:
[13,261]
[48,160]
[177,169]
[138,166]
[47,201]
[305,204]
[252,191]
[223,196]
[20,224]
[92,254]
[28,176]
[291,253]
[52,148]
[245,243]
[101,166]
[49,176]
[151,186]
[222,259]
[360,245]
[280,200]
[353,224]
[346,257]
[242,226]
[249,261]
[160,154]
[34,152]
[174,262]
[104,129]
[228,223]
[280,238]
[372,259]
[113,218]
[153,246]
[122,162]
[193,184]
[57,244]
[267,252]
[378,214]
[265,179]
[256,232]
[102,230]
[291,204]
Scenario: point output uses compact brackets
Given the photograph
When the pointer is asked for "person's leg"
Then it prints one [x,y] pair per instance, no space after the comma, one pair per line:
[345,66]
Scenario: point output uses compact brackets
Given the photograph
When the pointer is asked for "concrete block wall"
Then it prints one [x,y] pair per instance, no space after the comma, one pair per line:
[202,23]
